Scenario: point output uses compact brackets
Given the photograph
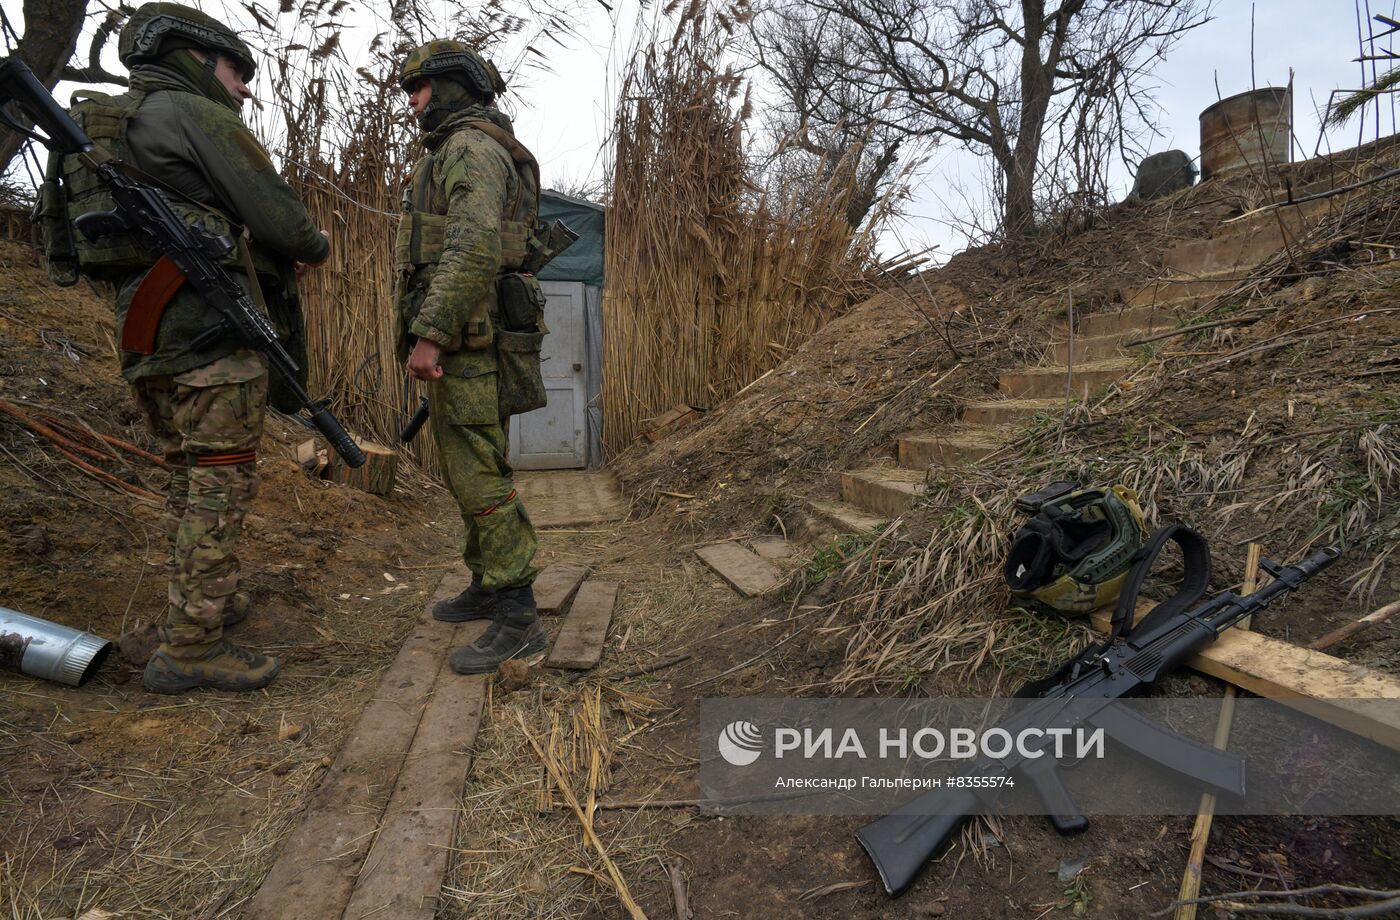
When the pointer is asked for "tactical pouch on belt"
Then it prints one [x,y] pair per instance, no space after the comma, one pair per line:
[520,384]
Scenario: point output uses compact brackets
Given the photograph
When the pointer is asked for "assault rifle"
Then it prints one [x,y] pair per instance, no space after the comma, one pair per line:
[1082,693]
[185,254]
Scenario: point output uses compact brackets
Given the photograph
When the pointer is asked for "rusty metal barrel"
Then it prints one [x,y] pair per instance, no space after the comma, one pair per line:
[1250,129]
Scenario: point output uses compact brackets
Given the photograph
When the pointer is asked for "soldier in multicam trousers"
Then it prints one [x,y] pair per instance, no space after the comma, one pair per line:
[468,209]
[204,398]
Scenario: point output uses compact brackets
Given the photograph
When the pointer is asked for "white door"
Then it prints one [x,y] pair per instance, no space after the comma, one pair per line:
[553,437]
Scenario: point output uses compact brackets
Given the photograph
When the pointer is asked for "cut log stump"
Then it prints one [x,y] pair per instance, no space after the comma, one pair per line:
[376,476]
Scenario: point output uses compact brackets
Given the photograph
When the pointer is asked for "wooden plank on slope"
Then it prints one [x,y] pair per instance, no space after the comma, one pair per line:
[747,572]
[316,867]
[579,644]
[555,587]
[1347,695]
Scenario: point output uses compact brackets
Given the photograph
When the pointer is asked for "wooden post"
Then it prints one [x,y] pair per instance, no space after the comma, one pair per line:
[377,474]
[1200,833]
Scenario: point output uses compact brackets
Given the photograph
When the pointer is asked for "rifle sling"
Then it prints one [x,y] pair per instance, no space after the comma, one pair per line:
[1195,578]
[1195,555]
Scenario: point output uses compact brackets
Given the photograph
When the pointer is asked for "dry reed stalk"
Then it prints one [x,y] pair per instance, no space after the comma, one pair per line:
[586,820]
[712,280]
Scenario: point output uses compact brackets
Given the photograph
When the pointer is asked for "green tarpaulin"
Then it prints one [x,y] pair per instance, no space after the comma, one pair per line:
[584,260]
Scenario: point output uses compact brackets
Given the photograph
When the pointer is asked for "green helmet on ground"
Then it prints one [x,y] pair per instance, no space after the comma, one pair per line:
[1074,553]
[455,60]
[156,29]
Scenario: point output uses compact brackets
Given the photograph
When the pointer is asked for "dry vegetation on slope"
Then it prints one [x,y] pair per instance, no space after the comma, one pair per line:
[1278,427]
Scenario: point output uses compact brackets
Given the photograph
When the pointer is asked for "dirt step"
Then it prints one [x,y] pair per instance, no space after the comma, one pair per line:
[882,490]
[842,517]
[1235,253]
[919,450]
[1235,248]
[1090,348]
[994,412]
[1178,288]
[1045,382]
[1150,318]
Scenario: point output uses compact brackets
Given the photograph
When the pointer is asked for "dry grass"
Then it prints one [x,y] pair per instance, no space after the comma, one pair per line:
[521,851]
[188,821]
[712,278]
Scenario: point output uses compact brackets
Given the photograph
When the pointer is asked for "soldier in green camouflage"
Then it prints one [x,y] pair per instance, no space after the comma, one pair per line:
[469,209]
[203,397]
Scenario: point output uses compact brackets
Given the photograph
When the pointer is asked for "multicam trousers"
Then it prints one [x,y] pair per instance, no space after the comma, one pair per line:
[498,540]
[209,420]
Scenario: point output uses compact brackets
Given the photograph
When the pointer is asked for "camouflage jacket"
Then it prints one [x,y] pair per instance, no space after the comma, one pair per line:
[470,180]
[201,149]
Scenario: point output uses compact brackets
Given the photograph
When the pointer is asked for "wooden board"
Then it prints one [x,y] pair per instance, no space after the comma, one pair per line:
[315,870]
[579,644]
[403,874]
[749,574]
[555,587]
[1347,695]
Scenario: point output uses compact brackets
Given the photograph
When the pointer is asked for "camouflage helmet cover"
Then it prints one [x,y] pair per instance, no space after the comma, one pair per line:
[157,28]
[446,57]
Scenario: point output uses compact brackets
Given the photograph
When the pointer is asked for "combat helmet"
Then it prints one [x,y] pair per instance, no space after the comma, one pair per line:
[1074,553]
[454,59]
[155,29]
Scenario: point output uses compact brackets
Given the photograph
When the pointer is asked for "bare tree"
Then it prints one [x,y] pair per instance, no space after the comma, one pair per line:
[819,118]
[47,45]
[1025,81]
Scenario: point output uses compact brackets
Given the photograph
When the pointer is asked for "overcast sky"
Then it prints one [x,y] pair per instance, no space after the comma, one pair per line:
[564,114]
[567,117]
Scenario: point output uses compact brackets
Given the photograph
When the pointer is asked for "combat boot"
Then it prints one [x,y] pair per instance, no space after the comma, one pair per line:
[515,632]
[221,666]
[475,603]
[237,608]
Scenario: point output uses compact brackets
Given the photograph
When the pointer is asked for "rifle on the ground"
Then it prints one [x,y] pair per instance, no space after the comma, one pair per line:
[144,212]
[1082,693]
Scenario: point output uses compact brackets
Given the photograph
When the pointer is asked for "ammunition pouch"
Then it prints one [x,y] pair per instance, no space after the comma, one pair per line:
[520,386]
[516,241]
[419,240]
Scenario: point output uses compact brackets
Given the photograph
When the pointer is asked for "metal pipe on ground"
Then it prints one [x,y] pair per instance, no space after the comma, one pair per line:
[52,651]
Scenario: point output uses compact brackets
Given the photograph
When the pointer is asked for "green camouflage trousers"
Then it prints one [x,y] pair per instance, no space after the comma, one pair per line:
[498,540]
[209,421]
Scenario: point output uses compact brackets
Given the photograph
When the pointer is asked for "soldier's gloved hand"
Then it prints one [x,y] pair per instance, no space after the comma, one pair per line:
[423,361]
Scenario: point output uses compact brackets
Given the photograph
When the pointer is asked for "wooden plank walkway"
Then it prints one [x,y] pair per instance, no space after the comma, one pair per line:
[421,714]
[555,587]
[579,645]
[747,572]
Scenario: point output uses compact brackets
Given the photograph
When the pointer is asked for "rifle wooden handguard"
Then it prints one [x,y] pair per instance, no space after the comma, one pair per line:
[143,316]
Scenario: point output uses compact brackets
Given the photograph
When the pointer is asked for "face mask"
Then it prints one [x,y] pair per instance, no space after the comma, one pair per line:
[201,74]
